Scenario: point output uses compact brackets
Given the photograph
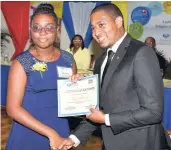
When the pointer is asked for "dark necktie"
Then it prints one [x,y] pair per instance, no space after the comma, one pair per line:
[109,59]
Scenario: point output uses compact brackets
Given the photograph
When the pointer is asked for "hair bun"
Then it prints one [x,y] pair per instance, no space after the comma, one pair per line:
[46,6]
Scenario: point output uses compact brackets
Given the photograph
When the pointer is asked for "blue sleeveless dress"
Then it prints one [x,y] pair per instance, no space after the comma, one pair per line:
[40,100]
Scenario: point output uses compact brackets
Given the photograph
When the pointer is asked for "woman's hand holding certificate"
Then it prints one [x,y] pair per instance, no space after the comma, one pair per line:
[76,97]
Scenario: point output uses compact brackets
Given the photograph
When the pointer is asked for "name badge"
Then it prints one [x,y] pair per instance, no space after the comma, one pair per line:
[64,72]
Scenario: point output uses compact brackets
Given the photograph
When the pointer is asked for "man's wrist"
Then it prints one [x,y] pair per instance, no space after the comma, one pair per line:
[107,121]
[75,140]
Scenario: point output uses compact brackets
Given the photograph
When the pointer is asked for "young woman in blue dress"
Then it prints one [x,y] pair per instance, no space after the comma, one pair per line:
[32,99]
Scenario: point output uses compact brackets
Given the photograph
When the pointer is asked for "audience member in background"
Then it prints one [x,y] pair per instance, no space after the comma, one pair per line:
[150,41]
[83,63]
[81,54]
[32,87]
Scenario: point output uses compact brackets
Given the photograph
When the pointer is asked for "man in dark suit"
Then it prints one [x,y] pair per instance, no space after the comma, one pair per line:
[150,41]
[131,89]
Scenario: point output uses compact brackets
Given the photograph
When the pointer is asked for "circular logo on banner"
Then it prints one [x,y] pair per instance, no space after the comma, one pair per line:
[167,7]
[136,30]
[141,14]
[156,8]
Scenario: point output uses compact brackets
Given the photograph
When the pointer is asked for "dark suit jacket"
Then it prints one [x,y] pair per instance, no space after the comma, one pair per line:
[162,62]
[132,95]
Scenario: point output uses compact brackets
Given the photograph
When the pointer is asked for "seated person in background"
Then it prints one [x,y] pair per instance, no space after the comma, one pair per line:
[81,54]
[150,41]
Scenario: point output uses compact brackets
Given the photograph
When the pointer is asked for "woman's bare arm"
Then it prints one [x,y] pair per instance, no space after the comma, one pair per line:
[16,87]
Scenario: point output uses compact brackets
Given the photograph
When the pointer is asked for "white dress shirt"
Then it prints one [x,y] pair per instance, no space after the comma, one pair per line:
[114,49]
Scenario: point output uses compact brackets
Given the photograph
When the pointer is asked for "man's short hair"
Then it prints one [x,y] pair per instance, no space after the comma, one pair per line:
[152,39]
[109,8]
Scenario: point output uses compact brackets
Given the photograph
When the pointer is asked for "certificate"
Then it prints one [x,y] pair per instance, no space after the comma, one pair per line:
[75,99]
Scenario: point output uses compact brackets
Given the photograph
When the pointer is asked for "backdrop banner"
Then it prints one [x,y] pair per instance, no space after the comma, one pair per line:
[150,18]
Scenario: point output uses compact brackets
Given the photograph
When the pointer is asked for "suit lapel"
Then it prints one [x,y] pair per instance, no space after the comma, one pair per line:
[120,53]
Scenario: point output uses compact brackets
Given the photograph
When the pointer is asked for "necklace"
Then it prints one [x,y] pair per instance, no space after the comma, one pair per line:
[48,58]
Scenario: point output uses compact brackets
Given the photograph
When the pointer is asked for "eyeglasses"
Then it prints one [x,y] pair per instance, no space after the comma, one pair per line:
[77,41]
[47,29]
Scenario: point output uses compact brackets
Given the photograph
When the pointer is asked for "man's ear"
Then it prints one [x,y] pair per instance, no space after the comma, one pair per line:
[119,22]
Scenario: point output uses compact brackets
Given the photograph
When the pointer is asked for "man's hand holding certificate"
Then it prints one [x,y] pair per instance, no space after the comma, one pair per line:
[77,98]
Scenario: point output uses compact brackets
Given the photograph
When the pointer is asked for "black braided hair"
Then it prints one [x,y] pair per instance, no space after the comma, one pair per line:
[45,8]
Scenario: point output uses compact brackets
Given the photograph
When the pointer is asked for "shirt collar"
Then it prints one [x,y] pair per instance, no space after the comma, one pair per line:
[116,45]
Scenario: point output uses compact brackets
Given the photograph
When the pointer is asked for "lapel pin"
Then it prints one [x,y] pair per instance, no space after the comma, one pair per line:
[117,58]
